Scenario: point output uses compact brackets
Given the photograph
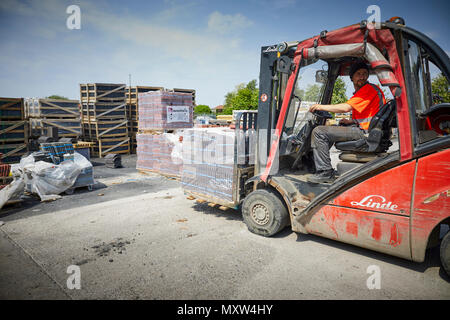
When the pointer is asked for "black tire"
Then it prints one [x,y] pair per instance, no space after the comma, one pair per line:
[264,212]
[445,252]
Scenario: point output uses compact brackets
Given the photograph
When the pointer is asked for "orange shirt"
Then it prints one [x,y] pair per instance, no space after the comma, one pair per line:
[366,103]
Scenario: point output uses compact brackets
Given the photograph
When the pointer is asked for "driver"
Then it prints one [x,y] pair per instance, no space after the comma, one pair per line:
[365,103]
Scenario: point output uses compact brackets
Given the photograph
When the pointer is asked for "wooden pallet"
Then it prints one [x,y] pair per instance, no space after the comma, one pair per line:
[210,202]
[91,112]
[14,131]
[102,92]
[67,128]
[12,109]
[131,93]
[167,175]
[105,146]
[106,128]
[52,108]
[12,152]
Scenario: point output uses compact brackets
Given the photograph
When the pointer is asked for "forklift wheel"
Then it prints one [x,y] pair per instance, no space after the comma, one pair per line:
[264,212]
[445,252]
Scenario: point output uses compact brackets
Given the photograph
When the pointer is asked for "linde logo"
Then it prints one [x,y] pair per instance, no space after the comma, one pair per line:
[375,201]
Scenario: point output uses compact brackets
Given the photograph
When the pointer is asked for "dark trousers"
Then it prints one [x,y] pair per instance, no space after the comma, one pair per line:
[323,138]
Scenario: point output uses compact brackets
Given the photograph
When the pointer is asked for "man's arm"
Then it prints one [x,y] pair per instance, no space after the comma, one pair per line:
[335,108]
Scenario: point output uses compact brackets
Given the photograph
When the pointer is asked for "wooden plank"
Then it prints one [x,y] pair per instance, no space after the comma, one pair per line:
[206,198]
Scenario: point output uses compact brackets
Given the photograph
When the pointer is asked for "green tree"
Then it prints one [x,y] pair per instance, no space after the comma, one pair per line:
[339,90]
[202,109]
[439,86]
[244,97]
[312,93]
[57,97]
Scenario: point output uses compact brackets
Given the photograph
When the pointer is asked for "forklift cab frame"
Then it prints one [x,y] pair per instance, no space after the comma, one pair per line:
[394,204]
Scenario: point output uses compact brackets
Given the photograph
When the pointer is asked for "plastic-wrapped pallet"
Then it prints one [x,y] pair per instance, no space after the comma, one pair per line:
[159,153]
[165,110]
[208,162]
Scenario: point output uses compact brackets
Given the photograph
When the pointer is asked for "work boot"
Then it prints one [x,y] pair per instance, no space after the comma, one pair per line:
[323,176]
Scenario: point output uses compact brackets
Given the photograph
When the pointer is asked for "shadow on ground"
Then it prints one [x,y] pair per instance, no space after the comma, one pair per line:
[432,258]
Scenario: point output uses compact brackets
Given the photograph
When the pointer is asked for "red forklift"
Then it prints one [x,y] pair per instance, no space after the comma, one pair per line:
[395,201]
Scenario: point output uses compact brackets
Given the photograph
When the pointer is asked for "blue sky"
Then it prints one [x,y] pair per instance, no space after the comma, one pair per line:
[207,45]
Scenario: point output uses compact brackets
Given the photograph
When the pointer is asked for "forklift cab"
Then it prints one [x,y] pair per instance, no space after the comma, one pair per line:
[383,198]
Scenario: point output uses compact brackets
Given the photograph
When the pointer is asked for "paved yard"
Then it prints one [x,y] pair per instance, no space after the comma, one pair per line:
[136,236]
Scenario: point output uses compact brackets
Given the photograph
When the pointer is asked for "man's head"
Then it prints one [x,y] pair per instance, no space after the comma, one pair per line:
[359,73]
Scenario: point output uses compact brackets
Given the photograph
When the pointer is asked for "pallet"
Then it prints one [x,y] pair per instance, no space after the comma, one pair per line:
[102,92]
[52,108]
[131,93]
[133,127]
[12,109]
[13,132]
[67,128]
[210,201]
[107,128]
[91,112]
[165,174]
[132,111]
[103,147]
[12,153]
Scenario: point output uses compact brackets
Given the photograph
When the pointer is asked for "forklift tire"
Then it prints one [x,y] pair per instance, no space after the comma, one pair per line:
[264,212]
[445,252]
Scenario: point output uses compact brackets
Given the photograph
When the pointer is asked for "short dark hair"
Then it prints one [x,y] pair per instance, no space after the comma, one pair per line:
[356,66]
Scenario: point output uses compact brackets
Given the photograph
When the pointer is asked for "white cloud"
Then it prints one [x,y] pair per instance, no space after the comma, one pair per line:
[154,50]
[225,23]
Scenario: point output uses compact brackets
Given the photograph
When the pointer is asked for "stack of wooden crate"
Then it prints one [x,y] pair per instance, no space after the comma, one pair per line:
[104,118]
[132,99]
[48,114]
[14,130]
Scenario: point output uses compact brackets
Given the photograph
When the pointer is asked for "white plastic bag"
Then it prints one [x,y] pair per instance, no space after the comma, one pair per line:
[12,191]
[48,180]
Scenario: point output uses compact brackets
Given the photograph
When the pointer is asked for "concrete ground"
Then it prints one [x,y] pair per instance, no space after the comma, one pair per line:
[136,236]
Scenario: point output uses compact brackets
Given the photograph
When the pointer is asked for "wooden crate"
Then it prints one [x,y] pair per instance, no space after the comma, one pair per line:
[105,128]
[67,128]
[131,93]
[102,92]
[12,109]
[92,112]
[14,131]
[52,108]
[105,146]
[12,152]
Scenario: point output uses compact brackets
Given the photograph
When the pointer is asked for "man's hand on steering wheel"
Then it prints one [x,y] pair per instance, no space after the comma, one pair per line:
[346,122]
[314,107]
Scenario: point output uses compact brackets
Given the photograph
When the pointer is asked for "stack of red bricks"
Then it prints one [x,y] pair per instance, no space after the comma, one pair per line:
[165,110]
[161,114]
[160,153]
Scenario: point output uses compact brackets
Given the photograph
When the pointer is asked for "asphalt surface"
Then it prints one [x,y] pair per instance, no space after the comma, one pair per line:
[136,236]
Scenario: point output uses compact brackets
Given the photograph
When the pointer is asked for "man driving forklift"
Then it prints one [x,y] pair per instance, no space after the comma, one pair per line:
[364,104]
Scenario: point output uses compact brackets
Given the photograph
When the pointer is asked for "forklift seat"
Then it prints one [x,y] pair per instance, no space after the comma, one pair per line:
[379,133]
[376,142]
